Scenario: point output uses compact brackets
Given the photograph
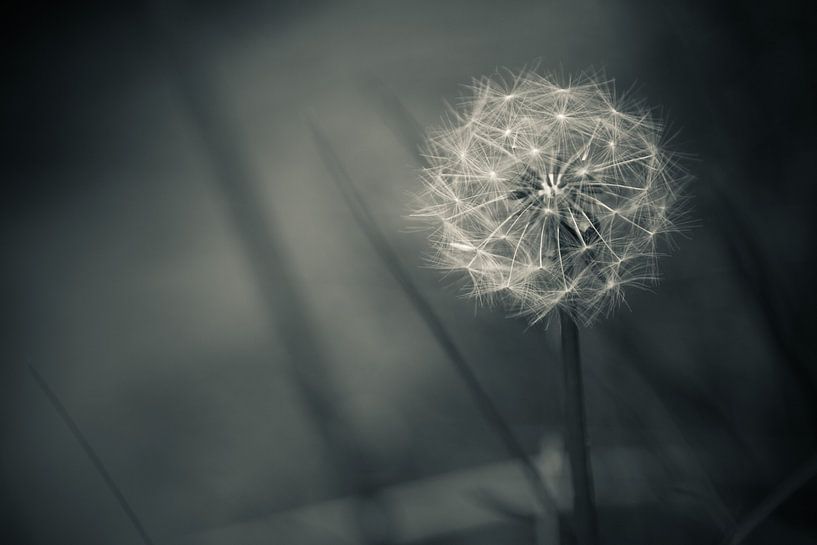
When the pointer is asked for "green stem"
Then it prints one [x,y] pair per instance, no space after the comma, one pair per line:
[584,508]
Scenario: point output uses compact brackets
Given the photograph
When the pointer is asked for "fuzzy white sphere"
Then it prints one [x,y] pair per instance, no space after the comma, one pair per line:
[550,195]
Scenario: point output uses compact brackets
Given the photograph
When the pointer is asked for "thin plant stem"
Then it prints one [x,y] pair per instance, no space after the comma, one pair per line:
[96,461]
[651,384]
[740,235]
[373,233]
[780,494]
[584,508]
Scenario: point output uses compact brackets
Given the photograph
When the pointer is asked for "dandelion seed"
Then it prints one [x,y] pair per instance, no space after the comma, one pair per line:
[579,199]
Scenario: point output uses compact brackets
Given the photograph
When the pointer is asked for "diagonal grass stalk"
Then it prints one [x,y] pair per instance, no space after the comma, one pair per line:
[384,250]
[267,254]
[94,458]
[651,402]
[770,503]
[739,233]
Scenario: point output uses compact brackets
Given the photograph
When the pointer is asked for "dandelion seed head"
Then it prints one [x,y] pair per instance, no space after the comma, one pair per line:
[542,213]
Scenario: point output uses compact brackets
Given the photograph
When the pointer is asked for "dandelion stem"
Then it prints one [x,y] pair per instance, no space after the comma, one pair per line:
[584,508]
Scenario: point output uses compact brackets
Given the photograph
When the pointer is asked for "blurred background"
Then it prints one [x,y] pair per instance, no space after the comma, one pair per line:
[202,346]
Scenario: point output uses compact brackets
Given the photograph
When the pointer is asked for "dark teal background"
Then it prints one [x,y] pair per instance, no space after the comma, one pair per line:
[126,281]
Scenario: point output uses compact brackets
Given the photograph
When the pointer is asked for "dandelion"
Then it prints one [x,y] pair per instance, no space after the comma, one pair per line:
[549,196]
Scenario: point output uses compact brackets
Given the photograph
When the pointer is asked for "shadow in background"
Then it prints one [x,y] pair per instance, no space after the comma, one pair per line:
[131,281]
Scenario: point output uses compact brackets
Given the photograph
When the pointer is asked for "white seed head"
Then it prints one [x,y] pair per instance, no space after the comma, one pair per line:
[550,196]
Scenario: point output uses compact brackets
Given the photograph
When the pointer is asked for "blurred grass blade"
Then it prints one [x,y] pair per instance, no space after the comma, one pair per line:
[505,508]
[377,239]
[257,231]
[746,252]
[779,495]
[653,406]
[398,118]
[96,461]
[740,236]
[266,251]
